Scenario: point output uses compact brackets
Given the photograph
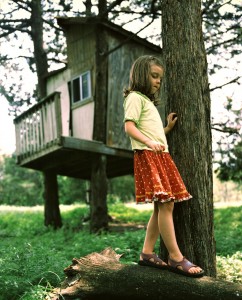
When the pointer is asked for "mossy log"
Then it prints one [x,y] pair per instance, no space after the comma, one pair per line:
[103,276]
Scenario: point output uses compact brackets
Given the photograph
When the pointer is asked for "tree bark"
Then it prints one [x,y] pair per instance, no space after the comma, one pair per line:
[187,88]
[39,51]
[52,210]
[103,276]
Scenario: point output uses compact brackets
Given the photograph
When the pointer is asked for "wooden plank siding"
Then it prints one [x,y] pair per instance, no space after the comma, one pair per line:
[119,64]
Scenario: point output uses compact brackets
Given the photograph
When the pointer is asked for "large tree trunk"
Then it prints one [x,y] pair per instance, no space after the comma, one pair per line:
[101,276]
[190,142]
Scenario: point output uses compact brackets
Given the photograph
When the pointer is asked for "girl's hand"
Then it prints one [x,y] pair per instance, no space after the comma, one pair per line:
[155,146]
[171,121]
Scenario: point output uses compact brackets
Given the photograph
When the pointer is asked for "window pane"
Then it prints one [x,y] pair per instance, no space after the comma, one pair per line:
[76,90]
[86,85]
[69,89]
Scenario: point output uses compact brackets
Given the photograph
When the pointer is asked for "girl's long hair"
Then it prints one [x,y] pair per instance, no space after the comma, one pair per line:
[139,77]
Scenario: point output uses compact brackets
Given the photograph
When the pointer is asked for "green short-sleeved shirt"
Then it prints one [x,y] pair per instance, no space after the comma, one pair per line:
[141,110]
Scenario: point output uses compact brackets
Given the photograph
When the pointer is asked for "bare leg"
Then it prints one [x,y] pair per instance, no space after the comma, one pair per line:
[152,232]
[167,231]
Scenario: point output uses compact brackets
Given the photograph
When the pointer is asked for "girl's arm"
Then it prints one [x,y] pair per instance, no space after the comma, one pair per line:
[133,132]
[171,121]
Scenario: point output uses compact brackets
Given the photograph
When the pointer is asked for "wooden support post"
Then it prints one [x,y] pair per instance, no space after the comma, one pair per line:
[98,195]
[52,210]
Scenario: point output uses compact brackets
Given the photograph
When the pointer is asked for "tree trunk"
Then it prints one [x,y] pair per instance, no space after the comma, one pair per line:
[102,8]
[101,276]
[39,51]
[187,90]
[52,210]
[98,199]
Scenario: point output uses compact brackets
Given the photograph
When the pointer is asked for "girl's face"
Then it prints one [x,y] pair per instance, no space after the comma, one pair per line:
[156,75]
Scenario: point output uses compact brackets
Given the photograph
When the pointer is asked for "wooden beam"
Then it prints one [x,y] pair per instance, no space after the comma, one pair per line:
[94,146]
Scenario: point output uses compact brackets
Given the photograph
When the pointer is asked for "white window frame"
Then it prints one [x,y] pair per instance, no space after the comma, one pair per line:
[81,97]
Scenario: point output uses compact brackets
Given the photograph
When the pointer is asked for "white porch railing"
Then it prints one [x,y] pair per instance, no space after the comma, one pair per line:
[39,127]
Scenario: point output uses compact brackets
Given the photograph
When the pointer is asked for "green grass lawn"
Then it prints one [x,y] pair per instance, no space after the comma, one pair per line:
[32,257]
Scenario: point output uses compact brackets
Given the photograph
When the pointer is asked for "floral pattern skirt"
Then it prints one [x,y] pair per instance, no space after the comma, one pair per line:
[157,178]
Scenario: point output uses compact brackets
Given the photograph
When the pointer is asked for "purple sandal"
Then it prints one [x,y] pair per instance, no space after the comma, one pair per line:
[152,260]
[186,265]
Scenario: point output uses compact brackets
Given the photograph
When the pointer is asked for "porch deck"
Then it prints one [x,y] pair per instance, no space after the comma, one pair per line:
[72,157]
[40,145]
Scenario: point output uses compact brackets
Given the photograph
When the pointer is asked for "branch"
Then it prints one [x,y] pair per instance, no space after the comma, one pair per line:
[216,8]
[58,61]
[208,50]
[113,4]
[141,13]
[13,20]
[128,39]
[21,27]
[220,33]
[28,3]
[231,131]
[220,86]
[52,25]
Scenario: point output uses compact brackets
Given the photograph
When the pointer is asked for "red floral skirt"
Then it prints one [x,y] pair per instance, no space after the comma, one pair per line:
[157,178]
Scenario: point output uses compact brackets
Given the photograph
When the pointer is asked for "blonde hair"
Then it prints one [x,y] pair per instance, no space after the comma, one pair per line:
[139,77]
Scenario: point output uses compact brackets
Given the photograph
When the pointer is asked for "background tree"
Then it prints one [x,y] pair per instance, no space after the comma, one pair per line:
[223,40]
[228,155]
[230,167]
[187,88]
[21,186]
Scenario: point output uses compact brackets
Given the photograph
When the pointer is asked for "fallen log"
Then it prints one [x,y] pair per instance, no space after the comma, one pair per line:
[103,276]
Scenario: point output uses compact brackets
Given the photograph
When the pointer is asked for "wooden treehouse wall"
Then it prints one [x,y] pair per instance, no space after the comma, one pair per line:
[81,58]
[119,64]
[81,43]
[58,83]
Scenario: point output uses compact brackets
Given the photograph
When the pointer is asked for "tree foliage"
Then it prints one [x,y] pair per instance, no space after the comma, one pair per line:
[222,29]
[21,186]
[231,167]
[228,155]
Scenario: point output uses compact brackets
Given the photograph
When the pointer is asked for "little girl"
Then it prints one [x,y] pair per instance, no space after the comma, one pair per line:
[157,179]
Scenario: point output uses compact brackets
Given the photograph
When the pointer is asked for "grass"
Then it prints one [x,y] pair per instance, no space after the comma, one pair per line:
[32,257]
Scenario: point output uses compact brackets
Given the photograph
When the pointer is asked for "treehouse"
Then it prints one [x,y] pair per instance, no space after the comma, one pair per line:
[81,119]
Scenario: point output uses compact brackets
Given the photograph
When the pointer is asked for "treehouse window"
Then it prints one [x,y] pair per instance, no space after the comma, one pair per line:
[80,87]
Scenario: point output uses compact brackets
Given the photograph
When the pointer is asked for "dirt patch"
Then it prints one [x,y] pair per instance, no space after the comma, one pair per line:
[121,227]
